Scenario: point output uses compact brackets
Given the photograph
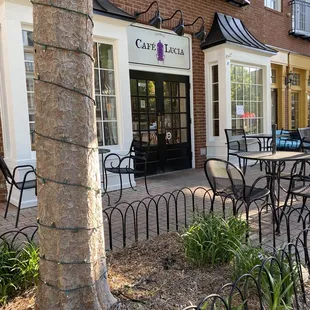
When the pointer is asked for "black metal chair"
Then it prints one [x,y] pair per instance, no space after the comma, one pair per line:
[21,186]
[227,182]
[237,142]
[299,185]
[304,136]
[134,162]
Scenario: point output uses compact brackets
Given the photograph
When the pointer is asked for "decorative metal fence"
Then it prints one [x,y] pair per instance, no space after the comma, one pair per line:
[276,283]
[126,223]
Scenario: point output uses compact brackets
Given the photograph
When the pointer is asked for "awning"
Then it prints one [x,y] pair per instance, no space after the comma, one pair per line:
[227,29]
[106,8]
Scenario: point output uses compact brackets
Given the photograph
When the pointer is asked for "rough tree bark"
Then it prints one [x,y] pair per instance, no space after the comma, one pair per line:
[72,264]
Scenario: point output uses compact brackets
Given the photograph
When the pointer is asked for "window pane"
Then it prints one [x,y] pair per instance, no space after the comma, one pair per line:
[167,92]
[176,120]
[215,92]
[99,134]
[182,105]
[27,38]
[183,135]
[175,105]
[134,105]
[152,105]
[247,99]
[107,82]
[143,105]
[110,133]
[97,87]
[106,56]
[109,108]
[133,87]
[167,103]
[151,88]
[215,76]
[183,120]
[174,90]
[95,55]
[183,89]
[29,84]
[142,87]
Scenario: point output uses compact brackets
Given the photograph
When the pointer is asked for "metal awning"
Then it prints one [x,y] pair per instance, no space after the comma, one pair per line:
[106,8]
[227,29]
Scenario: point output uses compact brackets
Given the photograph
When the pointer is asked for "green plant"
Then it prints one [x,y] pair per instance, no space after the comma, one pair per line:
[213,240]
[19,267]
[277,278]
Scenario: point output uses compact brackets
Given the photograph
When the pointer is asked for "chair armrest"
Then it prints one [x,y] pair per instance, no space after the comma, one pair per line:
[108,157]
[267,177]
[26,175]
[23,166]
[235,141]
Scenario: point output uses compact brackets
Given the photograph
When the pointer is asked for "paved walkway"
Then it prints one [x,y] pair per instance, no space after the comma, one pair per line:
[154,217]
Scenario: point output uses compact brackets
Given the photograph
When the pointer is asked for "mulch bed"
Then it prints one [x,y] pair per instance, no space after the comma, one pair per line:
[153,275]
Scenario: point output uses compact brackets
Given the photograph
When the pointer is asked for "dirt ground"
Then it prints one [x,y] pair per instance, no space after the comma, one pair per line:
[152,275]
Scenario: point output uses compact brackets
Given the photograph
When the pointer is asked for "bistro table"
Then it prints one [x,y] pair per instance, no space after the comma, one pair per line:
[265,137]
[274,164]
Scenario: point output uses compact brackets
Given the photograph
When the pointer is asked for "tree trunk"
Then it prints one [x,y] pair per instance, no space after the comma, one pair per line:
[72,265]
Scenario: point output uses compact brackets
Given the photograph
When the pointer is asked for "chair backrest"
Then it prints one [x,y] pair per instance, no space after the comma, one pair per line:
[304,136]
[6,171]
[234,135]
[139,151]
[224,178]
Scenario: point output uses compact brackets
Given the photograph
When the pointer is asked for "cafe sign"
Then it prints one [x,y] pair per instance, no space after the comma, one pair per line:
[158,48]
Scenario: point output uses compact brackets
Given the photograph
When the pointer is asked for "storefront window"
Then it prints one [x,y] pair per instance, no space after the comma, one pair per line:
[215,101]
[104,91]
[29,68]
[247,98]
[295,110]
[106,115]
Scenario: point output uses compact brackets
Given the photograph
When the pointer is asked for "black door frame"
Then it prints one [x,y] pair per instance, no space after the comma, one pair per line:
[162,148]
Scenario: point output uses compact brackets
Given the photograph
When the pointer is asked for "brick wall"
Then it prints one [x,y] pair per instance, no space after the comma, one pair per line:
[268,26]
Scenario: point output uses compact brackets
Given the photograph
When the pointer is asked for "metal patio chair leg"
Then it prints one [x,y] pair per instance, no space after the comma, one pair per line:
[19,205]
[121,189]
[131,183]
[8,201]
[146,187]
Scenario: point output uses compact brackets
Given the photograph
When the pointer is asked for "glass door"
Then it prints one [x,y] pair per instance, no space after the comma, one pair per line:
[160,115]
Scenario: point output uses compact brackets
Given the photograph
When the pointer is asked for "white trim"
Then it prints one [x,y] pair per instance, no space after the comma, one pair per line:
[174,71]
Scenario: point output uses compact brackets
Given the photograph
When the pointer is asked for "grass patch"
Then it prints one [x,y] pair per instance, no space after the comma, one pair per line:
[213,240]
[19,266]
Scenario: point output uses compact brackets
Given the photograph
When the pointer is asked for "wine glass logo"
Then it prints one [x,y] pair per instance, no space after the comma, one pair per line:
[160,53]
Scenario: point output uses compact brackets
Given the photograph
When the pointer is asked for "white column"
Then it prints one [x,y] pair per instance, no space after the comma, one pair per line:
[14,106]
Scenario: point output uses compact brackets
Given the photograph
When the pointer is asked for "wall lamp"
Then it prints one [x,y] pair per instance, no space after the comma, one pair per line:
[289,78]
[201,34]
[179,28]
[156,21]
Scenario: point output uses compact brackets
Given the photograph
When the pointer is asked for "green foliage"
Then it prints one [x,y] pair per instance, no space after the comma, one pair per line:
[213,240]
[19,266]
[277,279]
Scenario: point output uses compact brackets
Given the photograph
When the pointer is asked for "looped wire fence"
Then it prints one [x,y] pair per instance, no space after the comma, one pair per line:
[127,223]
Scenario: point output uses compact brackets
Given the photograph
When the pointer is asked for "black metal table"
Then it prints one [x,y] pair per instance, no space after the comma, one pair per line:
[274,163]
[265,137]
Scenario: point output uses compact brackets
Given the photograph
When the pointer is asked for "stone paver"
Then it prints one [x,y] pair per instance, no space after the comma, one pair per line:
[189,180]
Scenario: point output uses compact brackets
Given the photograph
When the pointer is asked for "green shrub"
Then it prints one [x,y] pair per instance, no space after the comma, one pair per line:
[18,269]
[213,240]
[277,280]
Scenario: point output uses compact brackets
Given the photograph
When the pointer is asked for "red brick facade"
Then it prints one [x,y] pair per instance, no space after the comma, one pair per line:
[268,26]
